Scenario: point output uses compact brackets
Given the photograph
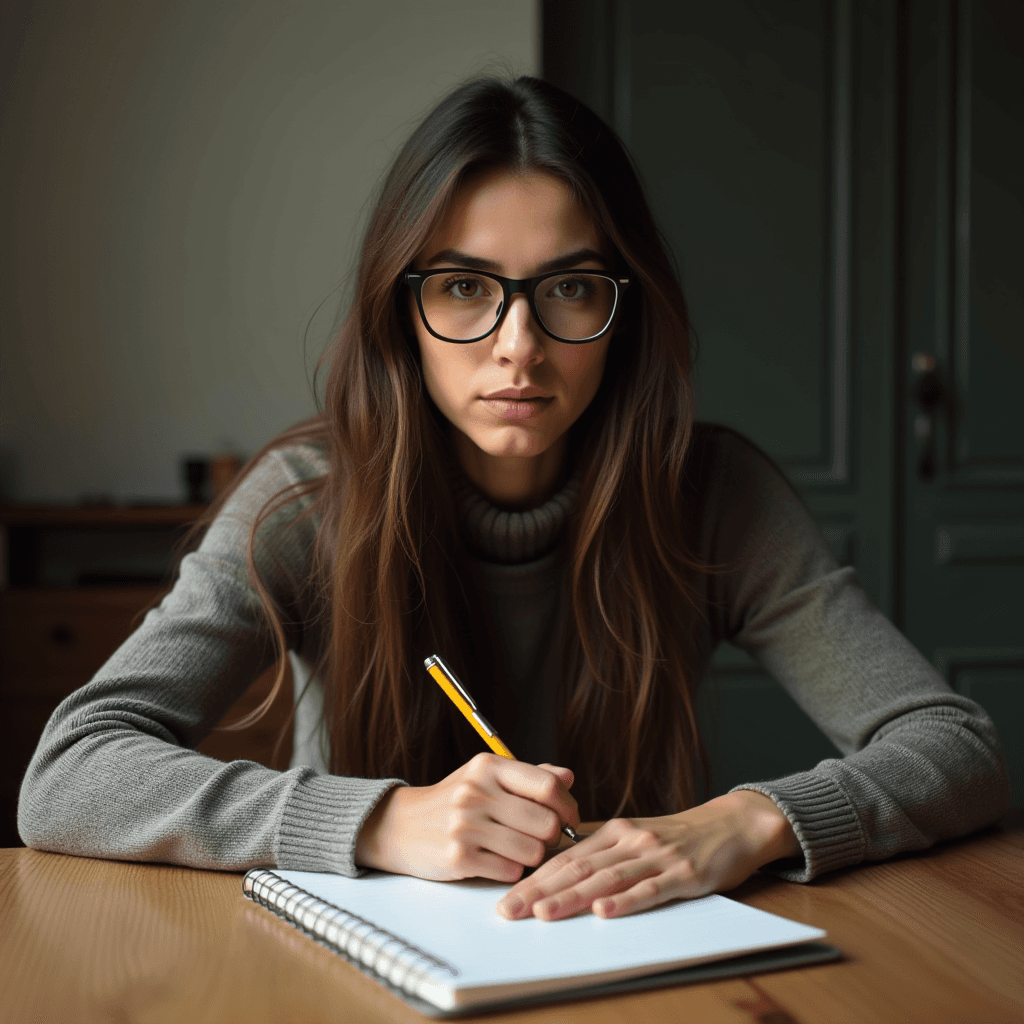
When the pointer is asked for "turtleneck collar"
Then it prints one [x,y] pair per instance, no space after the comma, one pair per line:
[512,538]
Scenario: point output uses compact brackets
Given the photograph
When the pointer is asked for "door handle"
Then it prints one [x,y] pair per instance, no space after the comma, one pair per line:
[929,394]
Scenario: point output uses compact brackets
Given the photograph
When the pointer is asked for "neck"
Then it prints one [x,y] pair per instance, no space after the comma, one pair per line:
[513,482]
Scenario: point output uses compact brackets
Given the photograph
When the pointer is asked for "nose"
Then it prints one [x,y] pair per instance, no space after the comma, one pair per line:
[518,339]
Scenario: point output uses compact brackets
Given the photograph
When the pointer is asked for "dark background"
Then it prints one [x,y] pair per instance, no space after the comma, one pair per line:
[842,184]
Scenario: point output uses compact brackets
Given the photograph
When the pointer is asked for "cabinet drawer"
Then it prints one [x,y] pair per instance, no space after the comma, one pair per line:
[9,813]
[25,720]
[55,634]
[32,685]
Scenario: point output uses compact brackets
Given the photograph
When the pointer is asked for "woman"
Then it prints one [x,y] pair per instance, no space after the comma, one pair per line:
[507,473]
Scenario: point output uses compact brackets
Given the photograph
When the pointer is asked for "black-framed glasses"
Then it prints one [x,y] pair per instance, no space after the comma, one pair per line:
[574,306]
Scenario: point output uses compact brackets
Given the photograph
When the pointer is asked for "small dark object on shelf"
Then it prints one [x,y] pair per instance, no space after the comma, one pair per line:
[197,476]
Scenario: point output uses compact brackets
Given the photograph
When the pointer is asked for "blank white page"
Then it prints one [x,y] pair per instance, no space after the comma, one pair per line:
[457,922]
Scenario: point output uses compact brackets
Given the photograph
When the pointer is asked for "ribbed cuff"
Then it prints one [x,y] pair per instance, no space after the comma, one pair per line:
[824,820]
[322,819]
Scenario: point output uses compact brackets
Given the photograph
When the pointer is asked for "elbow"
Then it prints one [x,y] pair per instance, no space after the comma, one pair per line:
[991,777]
[45,814]
[40,823]
[58,791]
[982,786]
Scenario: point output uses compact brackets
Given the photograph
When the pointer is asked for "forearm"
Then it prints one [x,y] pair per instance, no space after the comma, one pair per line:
[921,763]
[122,793]
[933,774]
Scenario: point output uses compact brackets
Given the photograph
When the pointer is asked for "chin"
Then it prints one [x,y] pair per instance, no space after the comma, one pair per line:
[513,441]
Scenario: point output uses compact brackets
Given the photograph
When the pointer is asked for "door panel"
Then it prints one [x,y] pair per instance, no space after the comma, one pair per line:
[987,350]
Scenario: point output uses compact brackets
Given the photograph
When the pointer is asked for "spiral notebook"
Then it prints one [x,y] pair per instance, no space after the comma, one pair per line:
[444,949]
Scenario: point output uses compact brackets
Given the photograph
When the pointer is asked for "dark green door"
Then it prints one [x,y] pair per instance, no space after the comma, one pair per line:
[770,135]
[963,600]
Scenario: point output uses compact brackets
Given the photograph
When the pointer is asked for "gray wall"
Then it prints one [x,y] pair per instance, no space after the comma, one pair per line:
[181,184]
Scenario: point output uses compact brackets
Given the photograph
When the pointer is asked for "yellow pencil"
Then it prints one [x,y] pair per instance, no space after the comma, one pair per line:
[459,696]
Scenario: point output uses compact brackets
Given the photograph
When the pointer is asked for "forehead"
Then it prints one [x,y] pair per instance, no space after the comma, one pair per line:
[515,219]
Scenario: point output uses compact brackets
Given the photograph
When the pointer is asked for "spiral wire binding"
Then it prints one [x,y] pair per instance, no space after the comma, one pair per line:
[403,965]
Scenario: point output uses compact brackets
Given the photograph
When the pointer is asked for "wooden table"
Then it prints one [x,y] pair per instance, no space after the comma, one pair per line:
[935,937]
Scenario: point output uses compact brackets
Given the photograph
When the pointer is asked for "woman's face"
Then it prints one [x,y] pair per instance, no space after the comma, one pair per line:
[517,226]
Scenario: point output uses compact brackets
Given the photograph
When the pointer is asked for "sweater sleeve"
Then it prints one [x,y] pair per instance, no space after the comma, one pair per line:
[116,774]
[920,762]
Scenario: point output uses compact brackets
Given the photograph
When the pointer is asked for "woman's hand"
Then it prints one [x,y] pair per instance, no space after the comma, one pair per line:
[633,864]
[487,819]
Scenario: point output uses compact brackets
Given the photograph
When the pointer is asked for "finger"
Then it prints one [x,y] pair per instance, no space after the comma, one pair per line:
[487,864]
[589,846]
[576,862]
[502,850]
[512,844]
[567,777]
[539,785]
[650,892]
[560,873]
[528,817]
[609,881]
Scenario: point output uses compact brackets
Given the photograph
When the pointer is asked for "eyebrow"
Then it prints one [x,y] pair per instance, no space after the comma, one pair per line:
[457,258]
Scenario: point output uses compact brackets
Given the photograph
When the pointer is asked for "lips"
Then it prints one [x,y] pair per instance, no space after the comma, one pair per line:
[517,403]
[516,394]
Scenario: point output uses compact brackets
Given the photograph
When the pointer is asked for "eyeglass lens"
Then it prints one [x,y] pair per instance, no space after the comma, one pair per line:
[572,306]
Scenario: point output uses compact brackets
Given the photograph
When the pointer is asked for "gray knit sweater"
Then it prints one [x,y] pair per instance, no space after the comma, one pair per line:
[116,773]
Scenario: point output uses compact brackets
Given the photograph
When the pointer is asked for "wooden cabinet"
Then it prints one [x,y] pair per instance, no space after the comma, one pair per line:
[54,638]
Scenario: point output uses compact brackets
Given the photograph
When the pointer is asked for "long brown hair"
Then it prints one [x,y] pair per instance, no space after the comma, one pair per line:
[389,568]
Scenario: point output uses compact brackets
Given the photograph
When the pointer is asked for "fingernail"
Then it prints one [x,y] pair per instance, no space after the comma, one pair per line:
[515,908]
[549,907]
[604,907]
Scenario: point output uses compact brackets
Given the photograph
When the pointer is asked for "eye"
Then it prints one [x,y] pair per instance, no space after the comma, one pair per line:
[471,287]
[569,288]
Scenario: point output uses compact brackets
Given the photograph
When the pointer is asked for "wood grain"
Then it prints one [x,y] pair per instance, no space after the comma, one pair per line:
[936,937]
